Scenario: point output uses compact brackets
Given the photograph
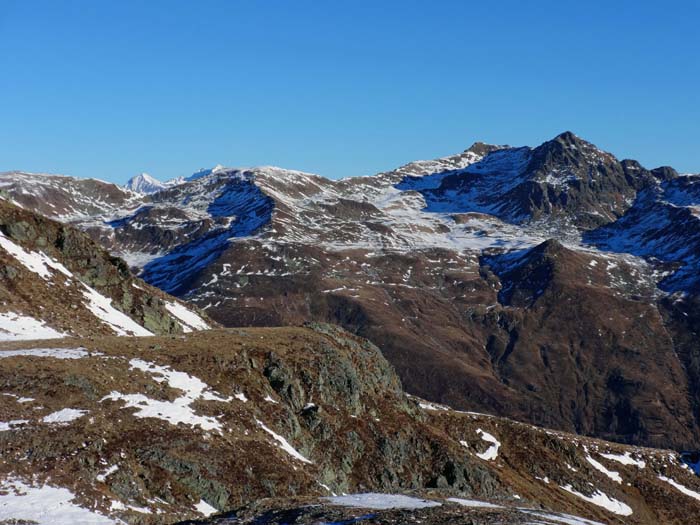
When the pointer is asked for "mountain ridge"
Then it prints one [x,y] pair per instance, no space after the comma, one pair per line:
[417,260]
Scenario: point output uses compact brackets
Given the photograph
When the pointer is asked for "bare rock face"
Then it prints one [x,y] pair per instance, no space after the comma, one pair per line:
[268,424]
[557,285]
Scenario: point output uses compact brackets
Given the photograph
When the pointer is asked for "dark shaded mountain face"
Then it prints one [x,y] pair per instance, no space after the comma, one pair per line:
[556,285]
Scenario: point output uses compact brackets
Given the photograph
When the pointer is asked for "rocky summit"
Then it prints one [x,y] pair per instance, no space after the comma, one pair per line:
[505,335]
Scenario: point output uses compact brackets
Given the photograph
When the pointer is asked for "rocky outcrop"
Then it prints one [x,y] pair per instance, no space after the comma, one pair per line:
[156,430]
[55,276]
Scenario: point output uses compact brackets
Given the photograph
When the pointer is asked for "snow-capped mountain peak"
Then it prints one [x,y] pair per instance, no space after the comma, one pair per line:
[203,172]
[144,184]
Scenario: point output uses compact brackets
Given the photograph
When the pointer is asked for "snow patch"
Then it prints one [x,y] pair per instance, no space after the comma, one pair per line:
[565,519]
[683,489]
[10,425]
[602,500]
[491,453]
[474,503]
[188,319]
[431,406]
[625,459]
[44,505]
[64,416]
[615,476]
[18,327]
[56,353]
[377,501]
[178,410]
[111,470]
[102,308]
[283,443]
[37,262]
[205,509]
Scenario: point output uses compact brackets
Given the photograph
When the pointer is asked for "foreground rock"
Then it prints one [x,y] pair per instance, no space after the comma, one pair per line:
[55,281]
[165,429]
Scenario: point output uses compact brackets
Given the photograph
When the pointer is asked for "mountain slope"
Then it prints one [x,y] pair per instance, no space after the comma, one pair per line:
[144,184]
[54,281]
[157,430]
[449,266]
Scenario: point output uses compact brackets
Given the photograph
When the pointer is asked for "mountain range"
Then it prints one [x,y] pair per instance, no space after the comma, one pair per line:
[553,286]
[556,285]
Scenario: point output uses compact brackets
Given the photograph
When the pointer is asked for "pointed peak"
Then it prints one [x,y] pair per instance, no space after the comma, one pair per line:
[567,137]
[144,176]
[570,144]
[143,183]
[568,141]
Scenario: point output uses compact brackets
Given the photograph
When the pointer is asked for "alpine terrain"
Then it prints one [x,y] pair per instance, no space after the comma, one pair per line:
[505,335]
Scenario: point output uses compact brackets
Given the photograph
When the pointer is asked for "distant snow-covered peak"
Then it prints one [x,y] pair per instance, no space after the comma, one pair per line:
[145,184]
[203,172]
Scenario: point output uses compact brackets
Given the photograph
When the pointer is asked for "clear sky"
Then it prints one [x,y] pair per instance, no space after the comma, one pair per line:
[111,88]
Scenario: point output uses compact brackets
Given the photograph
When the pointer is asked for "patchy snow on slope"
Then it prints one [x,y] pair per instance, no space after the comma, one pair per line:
[491,453]
[102,308]
[18,327]
[177,411]
[10,425]
[559,518]
[602,500]
[683,489]
[36,262]
[104,475]
[20,399]
[44,505]
[56,353]
[615,476]
[188,319]
[205,509]
[193,387]
[283,443]
[64,416]
[431,406]
[118,505]
[474,503]
[625,459]
[377,501]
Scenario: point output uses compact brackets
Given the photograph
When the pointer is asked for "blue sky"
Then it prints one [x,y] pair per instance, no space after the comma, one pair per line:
[108,89]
